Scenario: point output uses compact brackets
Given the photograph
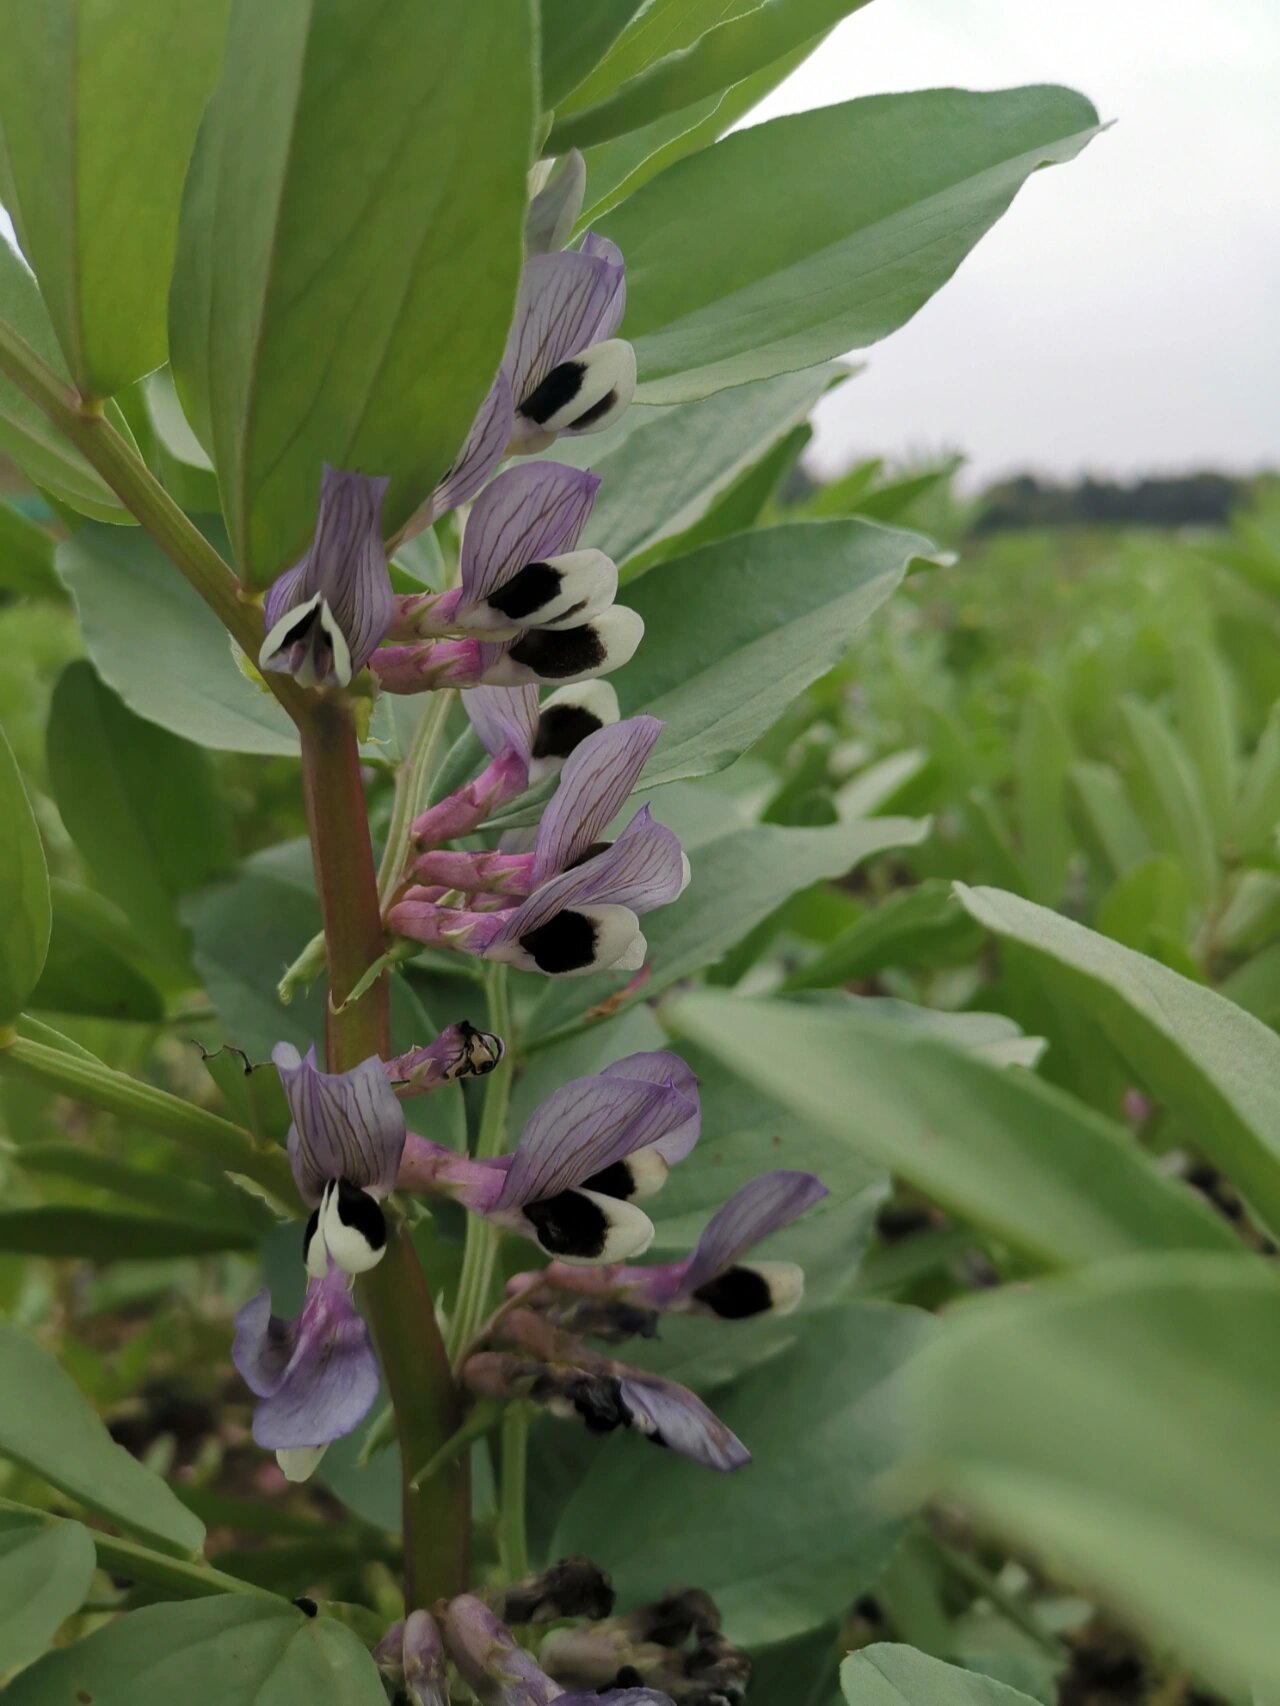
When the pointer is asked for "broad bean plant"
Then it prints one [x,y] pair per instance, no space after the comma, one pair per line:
[407,389]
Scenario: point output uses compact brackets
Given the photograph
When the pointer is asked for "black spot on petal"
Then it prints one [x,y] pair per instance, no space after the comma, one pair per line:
[358,1210]
[556,391]
[554,653]
[596,412]
[564,943]
[561,728]
[736,1294]
[615,1181]
[569,1224]
[529,590]
[312,1227]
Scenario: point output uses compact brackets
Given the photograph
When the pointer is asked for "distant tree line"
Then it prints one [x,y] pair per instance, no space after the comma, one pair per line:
[1186,500]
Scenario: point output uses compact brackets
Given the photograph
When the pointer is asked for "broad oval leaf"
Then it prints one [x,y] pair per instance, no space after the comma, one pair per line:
[800,239]
[113,1235]
[1012,1155]
[233,1650]
[575,35]
[350,247]
[887,1674]
[89,968]
[48,1427]
[1122,1423]
[726,54]
[24,892]
[821,1421]
[139,803]
[1212,1063]
[26,433]
[44,1576]
[26,557]
[92,173]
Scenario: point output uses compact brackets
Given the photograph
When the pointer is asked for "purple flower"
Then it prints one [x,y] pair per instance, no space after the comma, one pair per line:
[426,1671]
[554,1369]
[460,1051]
[326,615]
[503,1674]
[586,1154]
[714,1279]
[316,1377]
[568,372]
[345,1142]
[482,450]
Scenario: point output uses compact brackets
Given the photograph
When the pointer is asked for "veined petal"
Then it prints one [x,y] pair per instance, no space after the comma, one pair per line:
[582,1128]
[662,1066]
[460,1051]
[346,1125]
[565,719]
[493,1666]
[565,655]
[566,303]
[596,781]
[554,211]
[504,717]
[671,1415]
[527,514]
[317,1376]
[762,1207]
[482,450]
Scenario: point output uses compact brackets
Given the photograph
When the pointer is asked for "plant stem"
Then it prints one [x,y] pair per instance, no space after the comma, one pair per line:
[413,784]
[437,1515]
[970,1571]
[114,1092]
[179,1576]
[479,1257]
[513,1544]
[93,435]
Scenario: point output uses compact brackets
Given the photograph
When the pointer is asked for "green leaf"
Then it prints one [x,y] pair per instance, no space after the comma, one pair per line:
[1169,796]
[26,557]
[44,1576]
[726,54]
[1214,1066]
[1255,985]
[735,632]
[233,1650]
[139,803]
[1122,1424]
[166,1191]
[739,877]
[1207,722]
[657,28]
[1149,908]
[890,1675]
[1108,821]
[24,892]
[665,470]
[46,1425]
[822,1425]
[822,232]
[575,36]
[111,1235]
[93,174]
[1258,810]
[1017,1158]
[90,968]
[1041,759]
[157,643]
[26,433]
[368,340]
[919,926]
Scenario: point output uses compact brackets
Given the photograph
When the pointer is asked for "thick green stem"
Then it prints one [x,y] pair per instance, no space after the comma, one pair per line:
[480,1254]
[144,497]
[395,1297]
[143,1104]
[413,785]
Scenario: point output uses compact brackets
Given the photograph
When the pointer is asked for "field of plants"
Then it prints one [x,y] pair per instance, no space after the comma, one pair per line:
[830,1037]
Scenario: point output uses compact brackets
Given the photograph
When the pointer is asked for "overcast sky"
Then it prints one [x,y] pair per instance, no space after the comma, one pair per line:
[1124,315]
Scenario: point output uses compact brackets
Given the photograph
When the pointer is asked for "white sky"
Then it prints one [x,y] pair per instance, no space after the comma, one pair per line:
[1124,316]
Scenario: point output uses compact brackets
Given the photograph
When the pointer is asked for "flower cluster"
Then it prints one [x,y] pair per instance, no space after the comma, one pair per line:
[587,1157]
[669,1652]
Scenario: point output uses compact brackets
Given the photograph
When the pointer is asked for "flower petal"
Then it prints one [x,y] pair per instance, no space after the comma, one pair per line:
[579,1130]
[565,720]
[426,1670]
[490,1662]
[554,211]
[596,781]
[671,1415]
[460,1051]
[346,1125]
[567,302]
[481,453]
[504,717]
[527,514]
[661,1066]
[762,1207]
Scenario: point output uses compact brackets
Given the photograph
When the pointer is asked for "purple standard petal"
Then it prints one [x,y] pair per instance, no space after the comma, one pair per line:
[526,515]
[643,869]
[317,1376]
[346,1125]
[504,718]
[671,1415]
[596,781]
[490,1662]
[567,302]
[326,615]
[480,454]
[583,1128]
[661,1066]
[760,1208]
